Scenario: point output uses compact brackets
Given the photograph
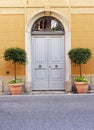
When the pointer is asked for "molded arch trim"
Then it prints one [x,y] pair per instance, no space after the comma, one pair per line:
[28,42]
[54,14]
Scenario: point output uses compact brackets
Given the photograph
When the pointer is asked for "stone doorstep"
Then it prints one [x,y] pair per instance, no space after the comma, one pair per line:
[38,93]
[48,92]
[41,92]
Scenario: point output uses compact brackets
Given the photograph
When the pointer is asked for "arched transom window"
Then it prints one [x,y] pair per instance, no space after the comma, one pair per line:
[47,24]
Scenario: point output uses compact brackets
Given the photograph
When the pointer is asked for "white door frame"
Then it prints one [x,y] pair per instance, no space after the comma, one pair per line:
[28,43]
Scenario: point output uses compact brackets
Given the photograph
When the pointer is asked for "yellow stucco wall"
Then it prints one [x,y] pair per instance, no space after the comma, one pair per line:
[83,36]
[14,15]
[11,35]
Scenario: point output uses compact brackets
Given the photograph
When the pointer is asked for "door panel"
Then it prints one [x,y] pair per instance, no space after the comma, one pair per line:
[56,62]
[40,74]
[40,68]
[40,50]
[48,62]
[55,49]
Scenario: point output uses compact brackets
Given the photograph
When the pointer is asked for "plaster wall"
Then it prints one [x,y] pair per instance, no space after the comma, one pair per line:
[15,15]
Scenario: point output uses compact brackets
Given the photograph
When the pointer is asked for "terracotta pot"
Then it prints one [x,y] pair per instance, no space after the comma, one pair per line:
[16,89]
[81,87]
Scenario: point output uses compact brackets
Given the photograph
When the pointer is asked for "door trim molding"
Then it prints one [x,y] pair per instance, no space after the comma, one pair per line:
[28,43]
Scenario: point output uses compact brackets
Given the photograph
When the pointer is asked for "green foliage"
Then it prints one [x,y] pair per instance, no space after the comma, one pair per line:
[81,79]
[16,55]
[15,81]
[55,28]
[79,55]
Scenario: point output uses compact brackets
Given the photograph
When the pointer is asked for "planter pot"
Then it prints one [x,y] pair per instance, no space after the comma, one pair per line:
[81,87]
[16,89]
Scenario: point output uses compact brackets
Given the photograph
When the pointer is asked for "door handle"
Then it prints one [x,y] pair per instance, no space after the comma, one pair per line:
[49,66]
[40,66]
[56,66]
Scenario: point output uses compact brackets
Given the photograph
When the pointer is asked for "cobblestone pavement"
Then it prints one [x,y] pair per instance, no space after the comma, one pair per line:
[42,112]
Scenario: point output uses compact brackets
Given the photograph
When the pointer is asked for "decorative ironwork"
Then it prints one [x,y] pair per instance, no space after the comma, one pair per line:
[47,24]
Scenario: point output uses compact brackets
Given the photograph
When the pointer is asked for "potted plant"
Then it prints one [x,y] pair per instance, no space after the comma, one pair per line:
[17,56]
[80,56]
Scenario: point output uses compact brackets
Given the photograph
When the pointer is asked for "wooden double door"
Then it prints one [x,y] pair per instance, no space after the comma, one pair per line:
[48,62]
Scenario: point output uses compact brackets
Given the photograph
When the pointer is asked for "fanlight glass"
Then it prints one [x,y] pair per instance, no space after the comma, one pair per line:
[47,24]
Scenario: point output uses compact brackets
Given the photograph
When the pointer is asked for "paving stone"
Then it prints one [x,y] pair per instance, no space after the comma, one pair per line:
[47,112]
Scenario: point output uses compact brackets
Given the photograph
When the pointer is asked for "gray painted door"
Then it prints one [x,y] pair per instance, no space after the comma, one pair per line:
[48,62]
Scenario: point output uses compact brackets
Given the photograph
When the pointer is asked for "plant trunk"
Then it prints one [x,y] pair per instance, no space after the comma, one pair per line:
[15,70]
[80,69]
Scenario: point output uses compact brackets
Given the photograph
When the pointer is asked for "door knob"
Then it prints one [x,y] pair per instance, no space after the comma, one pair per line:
[56,66]
[49,66]
[40,66]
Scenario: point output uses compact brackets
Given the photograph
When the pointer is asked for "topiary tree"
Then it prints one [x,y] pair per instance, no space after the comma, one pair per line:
[79,56]
[17,56]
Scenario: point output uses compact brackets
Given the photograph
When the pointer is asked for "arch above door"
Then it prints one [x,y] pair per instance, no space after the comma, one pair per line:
[47,24]
[28,43]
